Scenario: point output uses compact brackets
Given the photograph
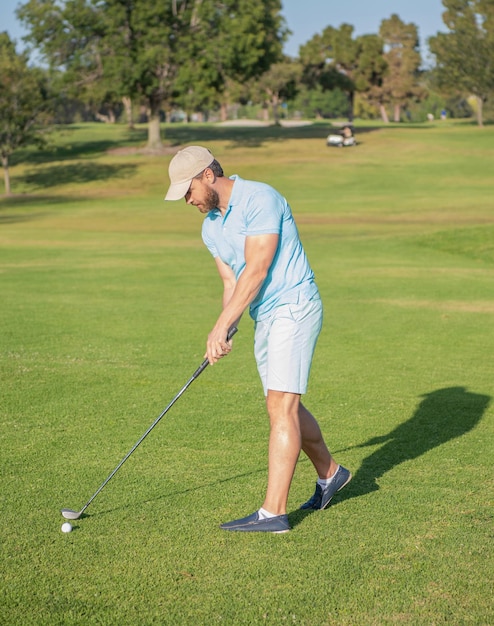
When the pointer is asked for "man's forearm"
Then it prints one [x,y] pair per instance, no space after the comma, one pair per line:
[246,289]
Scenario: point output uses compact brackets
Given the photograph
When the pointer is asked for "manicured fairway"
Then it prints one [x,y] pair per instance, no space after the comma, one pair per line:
[107,296]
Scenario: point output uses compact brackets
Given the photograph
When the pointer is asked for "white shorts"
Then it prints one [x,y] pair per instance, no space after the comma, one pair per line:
[284,345]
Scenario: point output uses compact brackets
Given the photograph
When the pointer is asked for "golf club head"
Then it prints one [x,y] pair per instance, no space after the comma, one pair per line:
[70,514]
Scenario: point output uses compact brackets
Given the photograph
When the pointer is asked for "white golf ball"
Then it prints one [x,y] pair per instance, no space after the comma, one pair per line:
[66,527]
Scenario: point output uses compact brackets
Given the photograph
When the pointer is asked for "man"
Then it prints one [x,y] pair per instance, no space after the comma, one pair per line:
[250,231]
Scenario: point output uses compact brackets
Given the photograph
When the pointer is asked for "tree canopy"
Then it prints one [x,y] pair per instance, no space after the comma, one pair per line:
[277,83]
[401,42]
[148,50]
[23,102]
[371,71]
[465,55]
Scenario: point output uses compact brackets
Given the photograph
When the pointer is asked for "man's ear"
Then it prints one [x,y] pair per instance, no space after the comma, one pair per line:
[209,175]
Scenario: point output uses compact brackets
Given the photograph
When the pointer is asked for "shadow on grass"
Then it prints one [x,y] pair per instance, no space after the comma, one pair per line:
[442,415]
[18,208]
[48,176]
[15,219]
[77,148]
[243,136]
[295,517]
[181,134]
[251,136]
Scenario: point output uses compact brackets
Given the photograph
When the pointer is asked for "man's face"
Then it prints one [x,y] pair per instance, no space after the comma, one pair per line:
[201,195]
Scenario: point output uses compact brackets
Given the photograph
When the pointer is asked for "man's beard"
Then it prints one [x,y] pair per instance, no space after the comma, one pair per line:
[211,201]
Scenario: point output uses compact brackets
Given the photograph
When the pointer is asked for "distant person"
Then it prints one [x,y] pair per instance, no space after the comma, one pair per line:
[443,114]
[347,132]
[250,231]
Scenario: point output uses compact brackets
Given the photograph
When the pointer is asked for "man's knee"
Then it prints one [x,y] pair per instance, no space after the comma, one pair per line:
[282,405]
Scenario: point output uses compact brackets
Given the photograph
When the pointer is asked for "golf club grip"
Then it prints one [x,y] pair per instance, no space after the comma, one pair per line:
[205,363]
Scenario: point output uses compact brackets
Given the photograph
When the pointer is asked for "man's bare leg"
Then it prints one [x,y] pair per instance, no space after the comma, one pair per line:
[284,448]
[314,446]
[332,477]
[292,428]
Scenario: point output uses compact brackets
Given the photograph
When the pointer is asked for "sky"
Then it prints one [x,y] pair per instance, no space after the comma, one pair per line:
[305,18]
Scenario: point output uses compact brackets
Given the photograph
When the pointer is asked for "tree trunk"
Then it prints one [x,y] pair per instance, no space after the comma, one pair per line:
[6,175]
[224,111]
[107,119]
[384,114]
[397,113]
[154,135]
[127,102]
[351,106]
[275,109]
[480,113]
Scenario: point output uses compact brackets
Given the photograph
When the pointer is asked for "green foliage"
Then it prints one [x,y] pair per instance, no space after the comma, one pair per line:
[24,101]
[329,59]
[372,66]
[435,103]
[107,299]
[115,49]
[464,55]
[382,69]
[369,75]
[278,85]
[363,109]
[201,56]
[317,103]
[160,53]
[221,55]
[401,82]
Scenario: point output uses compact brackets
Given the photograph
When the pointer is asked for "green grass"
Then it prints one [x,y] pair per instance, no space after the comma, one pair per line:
[107,295]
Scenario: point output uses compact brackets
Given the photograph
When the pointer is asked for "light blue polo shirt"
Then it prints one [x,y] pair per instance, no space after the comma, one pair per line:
[257,209]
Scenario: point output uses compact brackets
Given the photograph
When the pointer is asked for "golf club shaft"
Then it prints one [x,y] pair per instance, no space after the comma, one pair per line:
[198,371]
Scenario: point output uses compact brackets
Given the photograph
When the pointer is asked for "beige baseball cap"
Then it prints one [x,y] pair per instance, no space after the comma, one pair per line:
[184,166]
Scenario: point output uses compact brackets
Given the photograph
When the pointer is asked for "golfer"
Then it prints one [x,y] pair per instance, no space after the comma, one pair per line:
[250,232]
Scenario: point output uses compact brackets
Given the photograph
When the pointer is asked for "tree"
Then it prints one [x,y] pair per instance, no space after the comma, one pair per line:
[157,52]
[118,47]
[68,36]
[23,103]
[465,55]
[403,58]
[230,45]
[277,84]
[329,60]
[371,71]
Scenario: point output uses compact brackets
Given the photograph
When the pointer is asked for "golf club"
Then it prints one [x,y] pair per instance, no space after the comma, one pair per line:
[69,513]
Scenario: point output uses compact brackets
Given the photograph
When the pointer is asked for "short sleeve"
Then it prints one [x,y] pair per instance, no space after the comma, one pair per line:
[264,213]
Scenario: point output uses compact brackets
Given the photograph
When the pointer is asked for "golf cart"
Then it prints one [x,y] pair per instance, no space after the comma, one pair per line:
[343,139]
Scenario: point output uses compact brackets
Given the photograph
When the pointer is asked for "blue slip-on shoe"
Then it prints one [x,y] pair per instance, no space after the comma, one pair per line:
[252,523]
[322,497]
